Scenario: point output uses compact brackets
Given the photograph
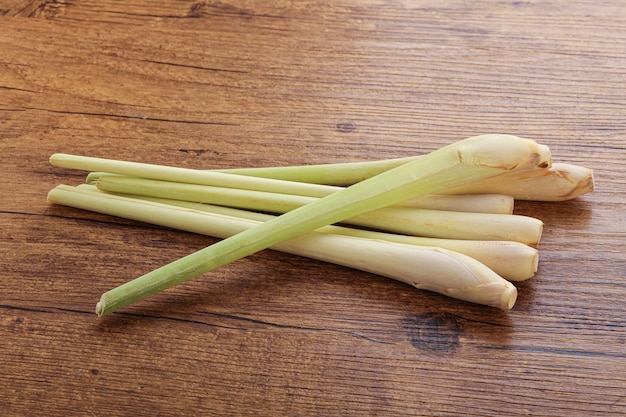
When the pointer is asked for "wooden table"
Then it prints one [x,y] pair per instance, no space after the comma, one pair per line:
[258,83]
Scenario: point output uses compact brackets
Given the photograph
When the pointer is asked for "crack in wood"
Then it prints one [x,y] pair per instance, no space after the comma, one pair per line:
[266,323]
[7,87]
[122,116]
[194,66]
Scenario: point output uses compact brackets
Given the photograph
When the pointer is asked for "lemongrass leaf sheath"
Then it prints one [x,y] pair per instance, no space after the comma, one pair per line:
[424,267]
[560,182]
[454,165]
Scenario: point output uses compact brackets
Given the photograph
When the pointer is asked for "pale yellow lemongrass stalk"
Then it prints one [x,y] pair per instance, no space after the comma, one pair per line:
[430,268]
[460,163]
[418,222]
[511,260]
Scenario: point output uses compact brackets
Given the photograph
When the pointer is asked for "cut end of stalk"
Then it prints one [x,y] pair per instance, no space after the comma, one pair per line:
[50,196]
[100,307]
[54,158]
[535,263]
[509,297]
[539,234]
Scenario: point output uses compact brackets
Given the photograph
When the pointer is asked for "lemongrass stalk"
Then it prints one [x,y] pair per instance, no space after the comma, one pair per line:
[471,203]
[511,260]
[418,222]
[560,182]
[185,175]
[460,163]
[341,174]
[435,269]
[468,203]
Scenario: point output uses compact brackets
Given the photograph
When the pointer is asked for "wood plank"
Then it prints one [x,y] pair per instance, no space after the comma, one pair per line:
[254,83]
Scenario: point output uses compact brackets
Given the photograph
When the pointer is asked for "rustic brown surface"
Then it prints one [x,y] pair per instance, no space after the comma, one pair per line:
[252,83]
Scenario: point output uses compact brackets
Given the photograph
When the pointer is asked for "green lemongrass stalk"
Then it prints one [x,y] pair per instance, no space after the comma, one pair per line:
[341,174]
[418,222]
[460,163]
[471,203]
[191,176]
[560,182]
[424,267]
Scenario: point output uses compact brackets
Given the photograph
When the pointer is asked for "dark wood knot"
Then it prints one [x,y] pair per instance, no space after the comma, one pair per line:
[435,332]
[345,127]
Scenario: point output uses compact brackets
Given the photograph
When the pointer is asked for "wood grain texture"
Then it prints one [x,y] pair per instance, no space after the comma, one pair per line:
[257,83]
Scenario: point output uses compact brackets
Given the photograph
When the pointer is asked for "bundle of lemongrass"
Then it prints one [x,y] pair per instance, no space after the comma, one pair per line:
[441,221]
